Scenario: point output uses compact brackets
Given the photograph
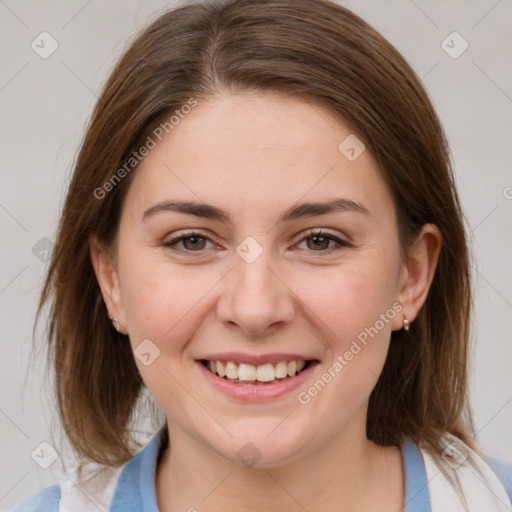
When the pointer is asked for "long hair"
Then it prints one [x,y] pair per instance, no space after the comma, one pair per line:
[315,50]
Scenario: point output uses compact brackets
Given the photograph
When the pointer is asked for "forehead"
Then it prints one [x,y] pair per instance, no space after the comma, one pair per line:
[255,153]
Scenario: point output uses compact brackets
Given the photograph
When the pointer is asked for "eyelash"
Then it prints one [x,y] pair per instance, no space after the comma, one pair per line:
[309,234]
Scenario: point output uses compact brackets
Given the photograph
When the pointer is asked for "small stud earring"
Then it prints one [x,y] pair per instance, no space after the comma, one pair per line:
[407,324]
[115,323]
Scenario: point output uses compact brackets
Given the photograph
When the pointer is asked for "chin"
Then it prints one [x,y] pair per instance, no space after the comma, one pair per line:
[261,451]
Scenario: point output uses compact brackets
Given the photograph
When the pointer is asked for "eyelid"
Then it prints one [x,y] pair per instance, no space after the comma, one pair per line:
[186,234]
[324,232]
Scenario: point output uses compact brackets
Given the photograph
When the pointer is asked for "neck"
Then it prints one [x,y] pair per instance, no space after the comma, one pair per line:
[356,472]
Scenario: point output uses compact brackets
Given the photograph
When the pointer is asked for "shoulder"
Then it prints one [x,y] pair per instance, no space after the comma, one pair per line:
[84,491]
[460,479]
[96,487]
[503,470]
[48,500]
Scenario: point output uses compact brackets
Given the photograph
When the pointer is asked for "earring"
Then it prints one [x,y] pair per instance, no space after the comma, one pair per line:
[115,323]
[407,324]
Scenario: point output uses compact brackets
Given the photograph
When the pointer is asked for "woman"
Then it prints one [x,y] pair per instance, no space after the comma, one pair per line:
[263,231]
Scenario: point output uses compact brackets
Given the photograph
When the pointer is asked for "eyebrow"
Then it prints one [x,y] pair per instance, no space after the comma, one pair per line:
[209,211]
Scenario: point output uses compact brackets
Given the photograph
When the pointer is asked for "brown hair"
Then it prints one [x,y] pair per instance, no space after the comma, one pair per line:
[312,49]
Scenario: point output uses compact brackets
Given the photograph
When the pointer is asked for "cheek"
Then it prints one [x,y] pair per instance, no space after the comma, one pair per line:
[163,304]
[355,306]
[161,300]
[350,297]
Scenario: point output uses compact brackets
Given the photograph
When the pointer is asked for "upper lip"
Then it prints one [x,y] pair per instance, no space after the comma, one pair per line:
[256,360]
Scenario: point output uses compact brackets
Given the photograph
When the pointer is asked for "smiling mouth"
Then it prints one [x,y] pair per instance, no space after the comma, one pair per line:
[264,374]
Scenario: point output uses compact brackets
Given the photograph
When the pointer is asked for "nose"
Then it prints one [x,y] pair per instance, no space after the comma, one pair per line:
[255,298]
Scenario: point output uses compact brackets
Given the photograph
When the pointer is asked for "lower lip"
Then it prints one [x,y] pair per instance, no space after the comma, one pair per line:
[256,392]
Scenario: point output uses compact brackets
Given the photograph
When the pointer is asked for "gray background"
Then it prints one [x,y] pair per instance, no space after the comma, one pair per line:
[46,102]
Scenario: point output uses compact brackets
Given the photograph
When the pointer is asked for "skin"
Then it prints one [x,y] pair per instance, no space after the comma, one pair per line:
[255,155]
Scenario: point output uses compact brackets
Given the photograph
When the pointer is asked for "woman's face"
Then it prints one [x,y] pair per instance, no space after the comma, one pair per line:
[252,284]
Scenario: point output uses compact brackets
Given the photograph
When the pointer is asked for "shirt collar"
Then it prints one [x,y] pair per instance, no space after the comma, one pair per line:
[417,493]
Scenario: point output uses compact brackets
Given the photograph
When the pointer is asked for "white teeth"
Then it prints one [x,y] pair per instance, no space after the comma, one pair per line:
[292,368]
[246,372]
[264,373]
[221,369]
[231,370]
[281,370]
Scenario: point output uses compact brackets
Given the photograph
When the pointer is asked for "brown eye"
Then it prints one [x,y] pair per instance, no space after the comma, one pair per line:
[193,242]
[319,240]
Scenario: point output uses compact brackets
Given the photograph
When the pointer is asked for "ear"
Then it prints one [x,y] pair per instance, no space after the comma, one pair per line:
[106,274]
[417,273]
